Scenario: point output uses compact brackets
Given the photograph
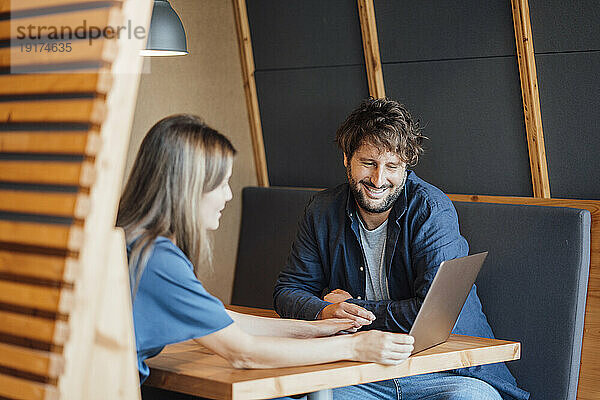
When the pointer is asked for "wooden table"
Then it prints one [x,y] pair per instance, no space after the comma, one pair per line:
[191,368]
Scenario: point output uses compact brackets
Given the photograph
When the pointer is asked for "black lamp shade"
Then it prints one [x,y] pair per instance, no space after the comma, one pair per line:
[166,36]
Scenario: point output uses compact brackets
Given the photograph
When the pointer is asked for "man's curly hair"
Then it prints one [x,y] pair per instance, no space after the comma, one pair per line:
[385,124]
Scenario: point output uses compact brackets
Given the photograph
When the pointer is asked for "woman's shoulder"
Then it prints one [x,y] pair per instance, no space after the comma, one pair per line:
[168,259]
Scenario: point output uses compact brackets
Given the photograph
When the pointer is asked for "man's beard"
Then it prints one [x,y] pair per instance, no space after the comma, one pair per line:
[364,202]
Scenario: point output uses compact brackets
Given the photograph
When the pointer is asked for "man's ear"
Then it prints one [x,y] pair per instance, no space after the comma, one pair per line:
[345,160]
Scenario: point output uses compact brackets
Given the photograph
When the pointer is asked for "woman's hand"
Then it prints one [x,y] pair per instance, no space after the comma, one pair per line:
[328,327]
[382,347]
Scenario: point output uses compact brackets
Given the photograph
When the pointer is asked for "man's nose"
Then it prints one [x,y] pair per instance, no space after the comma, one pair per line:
[378,177]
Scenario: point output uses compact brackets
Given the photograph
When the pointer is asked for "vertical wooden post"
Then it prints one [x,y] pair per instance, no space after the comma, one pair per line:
[531,99]
[247,60]
[368,27]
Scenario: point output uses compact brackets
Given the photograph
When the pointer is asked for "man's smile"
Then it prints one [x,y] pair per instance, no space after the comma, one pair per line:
[374,193]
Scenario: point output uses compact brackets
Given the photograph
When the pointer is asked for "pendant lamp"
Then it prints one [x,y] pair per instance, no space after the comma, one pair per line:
[166,36]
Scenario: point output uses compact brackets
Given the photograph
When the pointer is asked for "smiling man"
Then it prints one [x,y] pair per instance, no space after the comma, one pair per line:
[369,250]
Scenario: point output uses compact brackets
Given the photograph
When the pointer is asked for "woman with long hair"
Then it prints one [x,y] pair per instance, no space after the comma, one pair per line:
[176,191]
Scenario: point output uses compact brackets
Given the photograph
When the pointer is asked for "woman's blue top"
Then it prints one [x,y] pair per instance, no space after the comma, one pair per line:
[171,305]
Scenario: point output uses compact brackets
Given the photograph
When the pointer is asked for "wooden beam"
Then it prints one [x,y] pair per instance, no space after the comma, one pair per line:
[368,27]
[55,268]
[48,172]
[65,237]
[36,297]
[92,110]
[41,363]
[32,327]
[589,373]
[17,388]
[247,60]
[51,142]
[57,83]
[22,5]
[74,205]
[531,99]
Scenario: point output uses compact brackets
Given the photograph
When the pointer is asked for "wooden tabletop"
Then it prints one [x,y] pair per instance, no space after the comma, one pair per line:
[191,368]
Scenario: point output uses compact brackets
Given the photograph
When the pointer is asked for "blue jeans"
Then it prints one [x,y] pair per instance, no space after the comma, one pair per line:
[436,386]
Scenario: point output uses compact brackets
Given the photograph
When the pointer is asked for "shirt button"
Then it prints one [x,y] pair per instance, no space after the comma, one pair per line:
[362,269]
[358,297]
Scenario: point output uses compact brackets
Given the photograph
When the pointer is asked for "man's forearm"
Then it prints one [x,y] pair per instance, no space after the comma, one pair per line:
[391,315]
[299,304]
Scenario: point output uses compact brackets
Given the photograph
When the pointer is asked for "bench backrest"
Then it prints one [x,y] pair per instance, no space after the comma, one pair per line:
[532,286]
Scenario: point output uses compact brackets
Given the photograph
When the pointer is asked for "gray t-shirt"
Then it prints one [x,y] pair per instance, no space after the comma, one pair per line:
[373,245]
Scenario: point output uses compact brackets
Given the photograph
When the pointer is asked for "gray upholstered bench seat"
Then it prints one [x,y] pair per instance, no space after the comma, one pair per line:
[533,285]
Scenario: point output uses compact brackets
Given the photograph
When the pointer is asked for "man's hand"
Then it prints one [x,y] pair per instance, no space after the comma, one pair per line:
[337,296]
[357,314]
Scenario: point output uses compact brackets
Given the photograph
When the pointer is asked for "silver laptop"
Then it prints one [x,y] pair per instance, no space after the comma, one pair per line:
[444,301]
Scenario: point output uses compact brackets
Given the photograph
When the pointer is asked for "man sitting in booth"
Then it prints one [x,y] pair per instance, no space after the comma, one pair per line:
[373,245]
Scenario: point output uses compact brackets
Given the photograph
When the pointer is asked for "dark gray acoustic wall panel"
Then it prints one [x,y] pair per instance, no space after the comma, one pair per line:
[471,111]
[309,75]
[433,30]
[307,33]
[562,26]
[301,110]
[454,65]
[570,98]
[567,46]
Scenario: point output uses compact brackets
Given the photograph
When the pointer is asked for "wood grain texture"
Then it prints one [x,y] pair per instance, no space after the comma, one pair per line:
[55,268]
[17,29]
[17,388]
[37,362]
[94,257]
[589,373]
[76,82]
[35,296]
[99,50]
[48,172]
[74,205]
[90,111]
[54,142]
[531,98]
[21,5]
[368,27]
[247,60]
[66,237]
[32,327]
[190,368]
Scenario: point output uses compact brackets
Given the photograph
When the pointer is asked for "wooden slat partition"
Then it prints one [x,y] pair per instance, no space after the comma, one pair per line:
[41,363]
[72,110]
[589,374]
[35,328]
[100,18]
[247,60]
[74,205]
[17,388]
[368,27]
[36,296]
[48,172]
[43,266]
[49,142]
[22,5]
[58,201]
[55,83]
[531,99]
[57,236]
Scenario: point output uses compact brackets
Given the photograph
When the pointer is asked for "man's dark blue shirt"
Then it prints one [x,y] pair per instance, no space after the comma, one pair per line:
[422,232]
